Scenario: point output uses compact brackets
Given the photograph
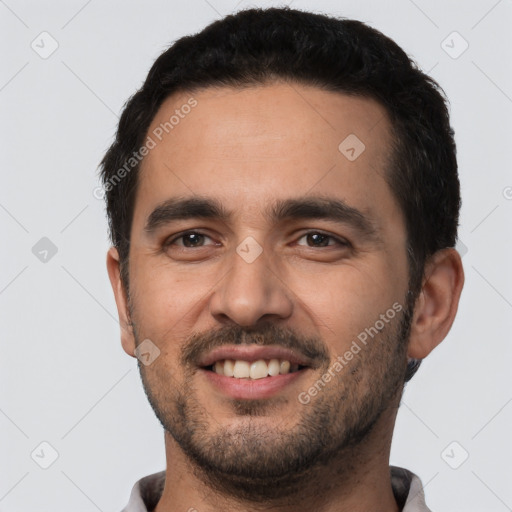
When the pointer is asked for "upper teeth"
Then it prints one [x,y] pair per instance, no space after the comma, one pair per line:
[255,370]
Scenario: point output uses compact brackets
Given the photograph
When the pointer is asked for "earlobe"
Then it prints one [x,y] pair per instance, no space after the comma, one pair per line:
[114,274]
[437,303]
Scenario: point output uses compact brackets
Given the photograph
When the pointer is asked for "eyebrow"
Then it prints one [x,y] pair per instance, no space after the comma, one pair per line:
[326,208]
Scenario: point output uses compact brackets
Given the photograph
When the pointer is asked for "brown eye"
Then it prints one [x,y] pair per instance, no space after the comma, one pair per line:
[317,239]
[190,239]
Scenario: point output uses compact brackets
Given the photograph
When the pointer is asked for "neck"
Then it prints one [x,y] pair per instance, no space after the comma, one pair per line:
[357,480]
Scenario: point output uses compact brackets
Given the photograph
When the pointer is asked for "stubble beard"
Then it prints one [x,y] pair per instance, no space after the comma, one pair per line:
[253,459]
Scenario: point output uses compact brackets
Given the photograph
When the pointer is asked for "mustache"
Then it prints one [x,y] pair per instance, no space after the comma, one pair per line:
[200,344]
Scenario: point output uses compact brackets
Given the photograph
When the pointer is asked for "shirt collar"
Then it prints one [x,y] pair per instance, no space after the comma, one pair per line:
[407,489]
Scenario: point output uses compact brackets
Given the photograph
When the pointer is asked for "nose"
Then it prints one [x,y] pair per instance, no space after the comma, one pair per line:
[251,292]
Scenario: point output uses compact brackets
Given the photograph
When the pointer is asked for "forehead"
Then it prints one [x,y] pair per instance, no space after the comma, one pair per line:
[278,140]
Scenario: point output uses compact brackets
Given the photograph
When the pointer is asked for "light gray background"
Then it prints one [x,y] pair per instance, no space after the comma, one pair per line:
[64,377]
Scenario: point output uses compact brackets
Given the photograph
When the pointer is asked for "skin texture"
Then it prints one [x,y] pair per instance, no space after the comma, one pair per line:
[247,148]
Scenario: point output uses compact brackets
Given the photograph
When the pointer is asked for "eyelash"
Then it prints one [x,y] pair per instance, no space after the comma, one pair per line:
[339,241]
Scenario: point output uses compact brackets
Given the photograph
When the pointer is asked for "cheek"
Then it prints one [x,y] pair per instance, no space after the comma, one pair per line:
[345,301]
[165,302]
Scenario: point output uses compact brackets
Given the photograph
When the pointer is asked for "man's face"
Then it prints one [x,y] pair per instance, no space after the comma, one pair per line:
[308,257]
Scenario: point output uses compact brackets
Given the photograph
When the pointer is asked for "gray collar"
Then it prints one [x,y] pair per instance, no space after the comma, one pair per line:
[406,486]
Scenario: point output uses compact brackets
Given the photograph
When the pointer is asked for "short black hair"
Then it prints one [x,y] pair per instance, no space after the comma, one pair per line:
[261,46]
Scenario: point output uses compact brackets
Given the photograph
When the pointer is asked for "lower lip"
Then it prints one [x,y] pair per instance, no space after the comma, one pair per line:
[248,389]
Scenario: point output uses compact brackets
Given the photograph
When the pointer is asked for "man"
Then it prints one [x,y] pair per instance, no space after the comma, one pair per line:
[283,203]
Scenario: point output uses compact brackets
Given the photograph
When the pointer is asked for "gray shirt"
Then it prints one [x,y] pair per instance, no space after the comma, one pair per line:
[406,486]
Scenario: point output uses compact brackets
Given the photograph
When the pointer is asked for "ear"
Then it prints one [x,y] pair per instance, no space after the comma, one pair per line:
[437,303]
[114,274]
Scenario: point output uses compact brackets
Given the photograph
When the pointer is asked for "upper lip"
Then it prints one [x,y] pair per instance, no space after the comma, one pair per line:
[252,353]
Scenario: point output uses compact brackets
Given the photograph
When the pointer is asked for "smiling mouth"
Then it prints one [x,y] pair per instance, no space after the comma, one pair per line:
[254,370]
